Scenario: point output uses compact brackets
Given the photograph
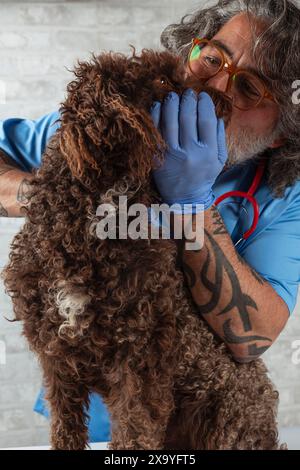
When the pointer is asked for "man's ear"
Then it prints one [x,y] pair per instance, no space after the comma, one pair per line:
[100,126]
[88,138]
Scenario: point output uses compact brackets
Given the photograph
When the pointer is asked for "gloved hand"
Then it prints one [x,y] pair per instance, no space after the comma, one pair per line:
[196,151]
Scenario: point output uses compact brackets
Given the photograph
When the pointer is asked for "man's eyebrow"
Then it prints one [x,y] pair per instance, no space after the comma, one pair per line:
[248,68]
[223,46]
[258,74]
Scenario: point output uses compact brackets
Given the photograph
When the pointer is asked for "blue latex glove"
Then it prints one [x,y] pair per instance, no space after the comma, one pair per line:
[196,152]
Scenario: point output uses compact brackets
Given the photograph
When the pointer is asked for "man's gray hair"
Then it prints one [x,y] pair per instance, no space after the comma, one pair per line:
[276,52]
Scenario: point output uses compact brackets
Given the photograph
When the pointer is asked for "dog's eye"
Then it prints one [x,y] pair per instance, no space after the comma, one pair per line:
[164,81]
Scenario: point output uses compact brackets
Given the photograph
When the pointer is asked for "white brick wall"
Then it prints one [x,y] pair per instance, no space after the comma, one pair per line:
[38,40]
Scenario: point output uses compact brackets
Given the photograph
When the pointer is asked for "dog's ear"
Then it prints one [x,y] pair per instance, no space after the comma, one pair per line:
[101,127]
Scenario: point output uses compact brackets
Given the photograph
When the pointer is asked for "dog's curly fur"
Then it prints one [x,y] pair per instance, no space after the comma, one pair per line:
[114,316]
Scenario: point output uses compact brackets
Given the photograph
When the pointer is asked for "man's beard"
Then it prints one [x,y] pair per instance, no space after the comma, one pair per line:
[244,145]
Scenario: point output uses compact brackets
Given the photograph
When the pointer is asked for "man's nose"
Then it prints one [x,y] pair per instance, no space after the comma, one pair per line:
[219,82]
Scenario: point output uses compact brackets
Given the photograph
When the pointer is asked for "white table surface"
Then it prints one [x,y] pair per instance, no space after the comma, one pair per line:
[289,435]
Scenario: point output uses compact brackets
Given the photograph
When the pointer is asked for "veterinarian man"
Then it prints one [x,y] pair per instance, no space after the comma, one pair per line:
[245,278]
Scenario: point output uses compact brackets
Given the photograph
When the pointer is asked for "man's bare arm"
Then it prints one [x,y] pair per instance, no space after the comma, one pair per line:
[13,187]
[240,306]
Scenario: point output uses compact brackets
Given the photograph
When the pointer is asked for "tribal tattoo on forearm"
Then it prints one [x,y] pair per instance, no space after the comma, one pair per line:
[221,230]
[218,222]
[6,165]
[3,169]
[254,352]
[23,192]
[239,302]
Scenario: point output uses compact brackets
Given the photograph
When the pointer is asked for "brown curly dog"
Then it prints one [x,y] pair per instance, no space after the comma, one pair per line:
[114,316]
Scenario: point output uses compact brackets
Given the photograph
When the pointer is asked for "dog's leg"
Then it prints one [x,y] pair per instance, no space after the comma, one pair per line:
[253,405]
[241,428]
[68,420]
[68,402]
[137,430]
[192,397]
[139,413]
[241,412]
[246,420]
[185,429]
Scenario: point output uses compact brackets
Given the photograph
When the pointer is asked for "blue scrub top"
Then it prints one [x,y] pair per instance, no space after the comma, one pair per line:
[273,250]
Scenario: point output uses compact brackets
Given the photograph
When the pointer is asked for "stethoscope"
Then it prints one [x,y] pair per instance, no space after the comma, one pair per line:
[250,197]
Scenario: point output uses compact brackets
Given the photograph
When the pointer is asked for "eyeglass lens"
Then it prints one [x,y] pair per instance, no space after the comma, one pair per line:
[206,61]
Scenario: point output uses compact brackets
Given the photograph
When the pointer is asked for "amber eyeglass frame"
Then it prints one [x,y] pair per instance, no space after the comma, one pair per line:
[232,71]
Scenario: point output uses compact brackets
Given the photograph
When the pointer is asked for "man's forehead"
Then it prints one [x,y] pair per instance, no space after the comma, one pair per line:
[236,36]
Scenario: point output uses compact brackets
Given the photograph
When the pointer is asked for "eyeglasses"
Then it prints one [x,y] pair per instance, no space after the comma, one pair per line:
[246,89]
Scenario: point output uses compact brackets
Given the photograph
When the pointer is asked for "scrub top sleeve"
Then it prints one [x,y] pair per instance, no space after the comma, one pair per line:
[25,140]
[275,254]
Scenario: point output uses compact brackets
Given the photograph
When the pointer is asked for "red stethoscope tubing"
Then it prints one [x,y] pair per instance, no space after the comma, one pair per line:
[250,196]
